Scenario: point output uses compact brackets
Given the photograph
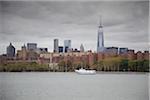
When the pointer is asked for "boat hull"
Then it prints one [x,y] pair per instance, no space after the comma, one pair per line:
[86,72]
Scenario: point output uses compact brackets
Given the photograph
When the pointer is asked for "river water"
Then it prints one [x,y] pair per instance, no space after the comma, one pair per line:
[71,86]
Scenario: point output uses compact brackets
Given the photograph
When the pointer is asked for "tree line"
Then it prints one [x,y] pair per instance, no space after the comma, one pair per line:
[109,64]
[23,66]
[122,64]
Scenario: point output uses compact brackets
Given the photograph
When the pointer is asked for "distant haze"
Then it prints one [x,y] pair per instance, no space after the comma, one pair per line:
[125,23]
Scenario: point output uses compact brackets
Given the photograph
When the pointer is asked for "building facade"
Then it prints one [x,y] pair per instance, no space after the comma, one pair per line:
[56,45]
[60,49]
[32,46]
[131,55]
[123,50]
[146,55]
[81,48]
[10,51]
[67,45]
[41,50]
[111,51]
[139,55]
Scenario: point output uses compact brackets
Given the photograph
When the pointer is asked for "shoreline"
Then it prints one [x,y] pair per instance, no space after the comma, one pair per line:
[98,72]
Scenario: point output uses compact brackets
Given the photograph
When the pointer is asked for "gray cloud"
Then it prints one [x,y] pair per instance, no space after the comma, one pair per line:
[125,23]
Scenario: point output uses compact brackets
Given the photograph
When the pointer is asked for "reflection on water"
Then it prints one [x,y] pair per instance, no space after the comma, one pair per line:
[71,86]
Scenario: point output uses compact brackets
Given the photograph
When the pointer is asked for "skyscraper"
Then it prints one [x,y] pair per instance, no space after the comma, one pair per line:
[56,49]
[32,46]
[10,51]
[100,38]
[67,45]
[81,48]
[60,49]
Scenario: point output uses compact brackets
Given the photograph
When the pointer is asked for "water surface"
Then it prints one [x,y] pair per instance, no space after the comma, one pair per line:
[71,86]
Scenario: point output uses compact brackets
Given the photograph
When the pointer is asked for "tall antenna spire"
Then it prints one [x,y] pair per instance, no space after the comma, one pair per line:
[100,22]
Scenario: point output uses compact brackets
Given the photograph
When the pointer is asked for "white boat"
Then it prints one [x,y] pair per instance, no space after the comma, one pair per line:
[84,71]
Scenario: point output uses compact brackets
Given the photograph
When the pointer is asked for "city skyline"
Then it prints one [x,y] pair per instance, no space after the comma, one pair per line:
[77,21]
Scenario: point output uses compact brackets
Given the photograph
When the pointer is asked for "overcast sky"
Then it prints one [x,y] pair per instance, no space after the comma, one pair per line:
[125,24]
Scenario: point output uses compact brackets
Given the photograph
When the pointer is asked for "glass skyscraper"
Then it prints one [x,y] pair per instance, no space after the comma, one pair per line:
[100,38]
[67,45]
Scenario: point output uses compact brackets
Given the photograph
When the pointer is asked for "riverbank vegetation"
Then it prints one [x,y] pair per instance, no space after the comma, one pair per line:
[23,66]
[109,64]
[121,64]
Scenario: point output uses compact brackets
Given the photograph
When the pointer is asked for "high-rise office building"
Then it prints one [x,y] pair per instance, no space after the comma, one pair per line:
[111,50]
[81,48]
[32,46]
[67,45]
[123,50]
[56,45]
[100,38]
[10,50]
[60,49]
